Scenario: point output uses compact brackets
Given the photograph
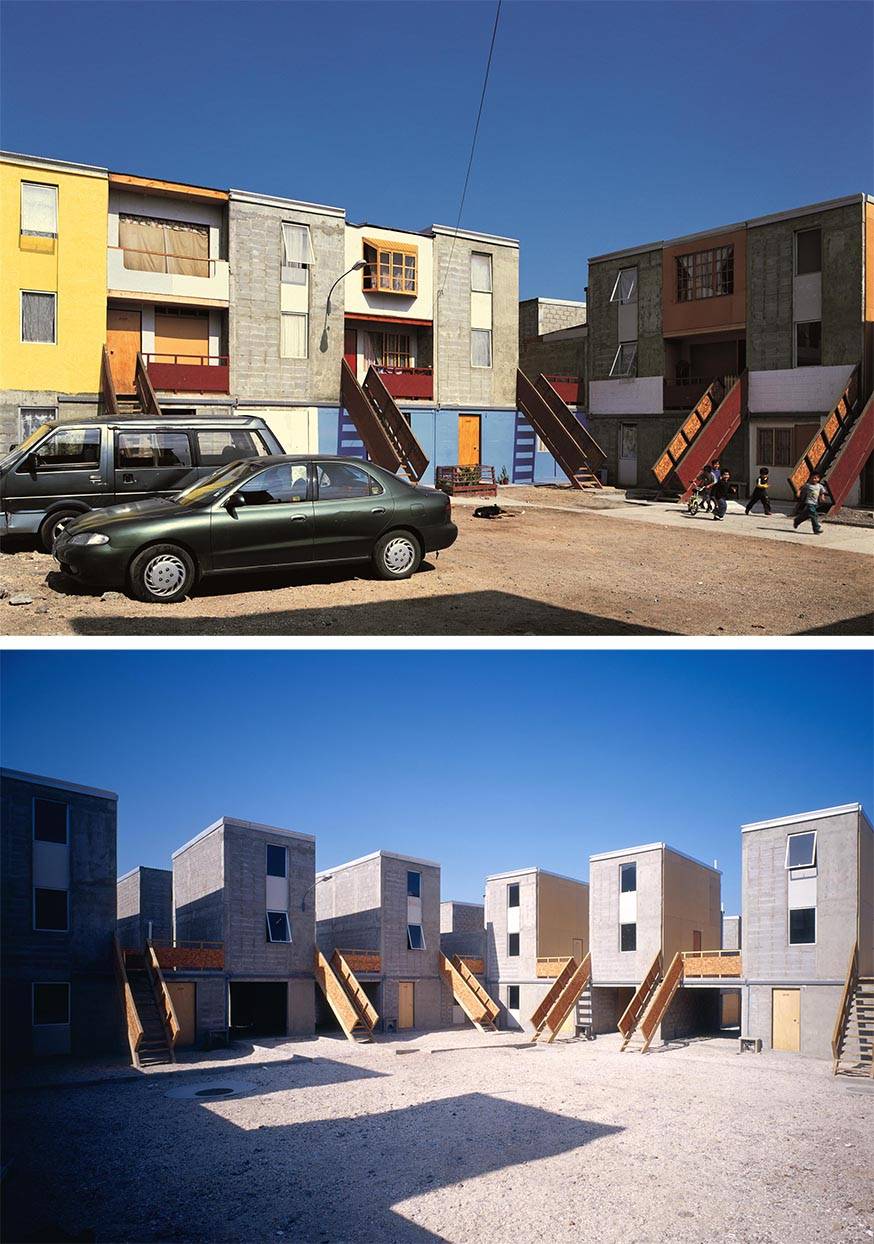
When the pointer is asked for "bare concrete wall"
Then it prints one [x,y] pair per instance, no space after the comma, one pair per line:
[819,1008]
[609,963]
[348,908]
[500,965]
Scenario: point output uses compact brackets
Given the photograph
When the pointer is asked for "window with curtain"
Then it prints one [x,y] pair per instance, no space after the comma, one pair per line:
[38,317]
[170,246]
[391,268]
[481,347]
[39,210]
[480,273]
[297,253]
[293,335]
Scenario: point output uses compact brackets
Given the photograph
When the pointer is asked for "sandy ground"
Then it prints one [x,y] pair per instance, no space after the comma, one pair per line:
[491,1138]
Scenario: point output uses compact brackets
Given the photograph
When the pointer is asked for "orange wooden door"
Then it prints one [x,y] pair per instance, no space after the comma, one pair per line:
[406,1004]
[468,440]
[123,329]
[181,338]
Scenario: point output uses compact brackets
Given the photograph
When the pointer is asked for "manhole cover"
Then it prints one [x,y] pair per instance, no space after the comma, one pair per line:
[214,1092]
[198,1091]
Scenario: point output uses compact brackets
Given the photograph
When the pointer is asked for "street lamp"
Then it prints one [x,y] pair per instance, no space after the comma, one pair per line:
[303,901]
[356,267]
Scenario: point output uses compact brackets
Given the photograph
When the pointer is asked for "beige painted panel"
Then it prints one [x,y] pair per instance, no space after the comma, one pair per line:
[184,995]
[562,916]
[480,310]
[406,1004]
[181,336]
[786,1020]
[691,904]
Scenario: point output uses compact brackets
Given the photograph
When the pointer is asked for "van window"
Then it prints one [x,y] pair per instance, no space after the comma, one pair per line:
[152,449]
[68,449]
[220,445]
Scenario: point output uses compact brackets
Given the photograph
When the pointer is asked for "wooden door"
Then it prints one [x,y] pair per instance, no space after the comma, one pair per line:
[627,474]
[468,440]
[696,939]
[183,994]
[406,1008]
[786,1025]
[802,435]
[181,338]
[123,333]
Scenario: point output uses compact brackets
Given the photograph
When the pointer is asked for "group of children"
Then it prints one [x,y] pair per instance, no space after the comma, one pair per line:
[714,484]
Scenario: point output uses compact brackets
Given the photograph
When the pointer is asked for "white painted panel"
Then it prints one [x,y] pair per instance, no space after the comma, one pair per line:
[513,924]
[296,430]
[628,321]
[807,297]
[397,306]
[628,908]
[414,910]
[640,396]
[51,866]
[480,310]
[294,297]
[277,894]
[796,389]
[802,891]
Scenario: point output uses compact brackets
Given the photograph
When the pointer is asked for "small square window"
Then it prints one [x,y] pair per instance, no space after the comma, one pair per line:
[802,926]
[415,937]
[277,861]
[38,317]
[512,997]
[513,894]
[278,926]
[627,878]
[808,344]
[50,910]
[513,944]
[628,937]
[50,821]
[39,209]
[801,850]
[51,1003]
[414,885]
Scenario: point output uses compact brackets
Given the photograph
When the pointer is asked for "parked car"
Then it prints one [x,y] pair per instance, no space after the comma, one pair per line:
[260,514]
[64,470]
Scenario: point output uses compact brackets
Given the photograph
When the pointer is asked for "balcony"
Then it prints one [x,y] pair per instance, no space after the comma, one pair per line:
[189,373]
[550,967]
[414,383]
[207,280]
[700,964]
[190,956]
[362,961]
[568,388]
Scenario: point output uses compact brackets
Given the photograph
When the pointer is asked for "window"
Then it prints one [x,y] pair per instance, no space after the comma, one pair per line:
[50,910]
[627,878]
[277,861]
[338,481]
[513,894]
[68,449]
[414,885]
[480,273]
[802,926]
[480,347]
[801,850]
[391,268]
[394,350]
[228,445]
[294,335]
[50,821]
[512,997]
[625,360]
[39,210]
[144,450]
[774,447]
[808,344]
[415,937]
[513,944]
[625,286]
[287,484]
[628,937]
[32,417]
[175,247]
[51,1003]
[808,252]
[38,317]
[278,926]
[297,253]
[705,274]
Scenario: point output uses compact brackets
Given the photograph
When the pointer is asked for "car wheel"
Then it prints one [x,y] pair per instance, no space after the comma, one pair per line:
[53,526]
[397,555]
[162,574]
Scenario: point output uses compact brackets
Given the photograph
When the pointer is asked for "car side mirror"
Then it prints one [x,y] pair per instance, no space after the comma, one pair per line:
[30,464]
[230,503]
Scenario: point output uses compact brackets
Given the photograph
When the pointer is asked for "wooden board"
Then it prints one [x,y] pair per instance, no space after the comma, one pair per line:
[786,1020]
[406,1004]
[123,343]
[184,995]
[468,440]
[181,338]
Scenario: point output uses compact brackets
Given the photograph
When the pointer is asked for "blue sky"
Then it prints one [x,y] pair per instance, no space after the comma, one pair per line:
[482,761]
[606,124]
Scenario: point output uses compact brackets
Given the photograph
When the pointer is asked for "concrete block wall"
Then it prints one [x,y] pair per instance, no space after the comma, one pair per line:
[349,907]
[691,1012]
[603,328]
[731,933]
[145,897]
[198,884]
[501,967]
[610,965]
[462,929]
[398,961]
[818,1010]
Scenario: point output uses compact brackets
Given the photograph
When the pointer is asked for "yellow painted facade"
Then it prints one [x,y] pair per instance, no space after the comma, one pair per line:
[71,265]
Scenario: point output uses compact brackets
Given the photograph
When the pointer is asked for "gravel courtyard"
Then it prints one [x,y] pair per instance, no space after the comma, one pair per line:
[416,1141]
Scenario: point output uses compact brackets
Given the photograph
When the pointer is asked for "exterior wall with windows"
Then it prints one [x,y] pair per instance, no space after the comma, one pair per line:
[145,907]
[704,283]
[615,903]
[398,280]
[58,986]
[606,316]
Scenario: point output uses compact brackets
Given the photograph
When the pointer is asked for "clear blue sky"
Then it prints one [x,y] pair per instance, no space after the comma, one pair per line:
[606,124]
[481,761]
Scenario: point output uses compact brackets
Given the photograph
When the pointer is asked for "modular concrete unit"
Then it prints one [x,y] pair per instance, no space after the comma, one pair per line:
[228,888]
[463,929]
[145,906]
[530,914]
[792,987]
[58,918]
[371,904]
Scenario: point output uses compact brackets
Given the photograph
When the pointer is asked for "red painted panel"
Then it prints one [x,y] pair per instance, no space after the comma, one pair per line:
[568,388]
[858,448]
[409,382]
[713,437]
[190,377]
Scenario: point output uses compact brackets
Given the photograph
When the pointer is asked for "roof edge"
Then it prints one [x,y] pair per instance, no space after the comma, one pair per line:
[799,818]
[20,775]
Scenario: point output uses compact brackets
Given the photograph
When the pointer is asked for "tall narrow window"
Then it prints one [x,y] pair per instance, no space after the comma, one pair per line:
[38,317]
[50,821]
[512,997]
[480,273]
[297,253]
[50,910]
[802,926]
[480,347]
[801,850]
[415,937]
[278,926]
[628,937]
[277,861]
[625,360]
[51,1002]
[513,944]
[414,885]
[293,343]
[513,894]
[625,286]
[627,878]
[808,251]
[808,344]
[39,210]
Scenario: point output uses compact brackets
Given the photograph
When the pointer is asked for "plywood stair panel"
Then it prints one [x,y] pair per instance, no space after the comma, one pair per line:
[562,997]
[703,434]
[387,436]
[841,447]
[577,453]
[630,1019]
[344,994]
[156,1045]
[853,1039]
[473,998]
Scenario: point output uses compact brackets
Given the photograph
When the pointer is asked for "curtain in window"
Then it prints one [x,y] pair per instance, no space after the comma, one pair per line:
[372,348]
[39,209]
[38,317]
[187,249]
[481,273]
[142,241]
[296,245]
[481,347]
[169,246]
[293,342]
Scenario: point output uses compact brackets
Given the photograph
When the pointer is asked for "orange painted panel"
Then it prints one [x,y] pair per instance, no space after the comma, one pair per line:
[704,315]
[468,440]
[185,337]
[123,343]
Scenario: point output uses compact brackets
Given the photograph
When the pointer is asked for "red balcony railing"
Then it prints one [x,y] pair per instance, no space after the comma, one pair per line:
[568,388]
[410,382]
[189,373]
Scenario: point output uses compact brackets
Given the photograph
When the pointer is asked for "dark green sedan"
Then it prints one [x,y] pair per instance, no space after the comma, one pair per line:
[260,514]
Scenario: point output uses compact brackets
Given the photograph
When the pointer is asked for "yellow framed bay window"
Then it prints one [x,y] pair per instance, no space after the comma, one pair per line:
[392,268]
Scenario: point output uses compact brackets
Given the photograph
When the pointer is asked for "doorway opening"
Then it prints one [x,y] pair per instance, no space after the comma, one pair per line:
[259,1008]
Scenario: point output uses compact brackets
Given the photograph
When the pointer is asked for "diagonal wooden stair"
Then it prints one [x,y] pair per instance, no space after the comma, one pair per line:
[853,1039]
[143,400]
[343,992]
[841,447]
[152,1026]
[473,998]
[630,1019]
[561,998]
[387,436]
[703,435]
[575,450]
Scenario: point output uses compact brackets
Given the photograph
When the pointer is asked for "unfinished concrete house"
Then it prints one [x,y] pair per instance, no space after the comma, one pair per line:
[658,969]
[145,907]
[537,942]
[379,962]
[463,937]
[808,931]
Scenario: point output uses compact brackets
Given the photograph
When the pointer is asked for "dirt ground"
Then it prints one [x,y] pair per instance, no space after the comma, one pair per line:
[556,571]
[490,1138]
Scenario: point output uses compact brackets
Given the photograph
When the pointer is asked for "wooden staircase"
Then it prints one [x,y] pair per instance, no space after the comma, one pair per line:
[151,1020]
[561,998]
[853,1039]
[841,447]
[351,1006]
[142,402]
[630,1019]
[577,452]
[479,1007]
[703,435]
[387,436]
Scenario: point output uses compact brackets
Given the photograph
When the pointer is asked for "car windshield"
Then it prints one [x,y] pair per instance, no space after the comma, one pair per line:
[29,441]
[213,485]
